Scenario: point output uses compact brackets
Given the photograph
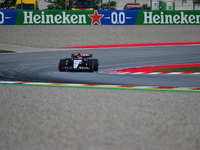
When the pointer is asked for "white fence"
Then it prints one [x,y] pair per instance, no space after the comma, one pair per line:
[178,4]
[121,3]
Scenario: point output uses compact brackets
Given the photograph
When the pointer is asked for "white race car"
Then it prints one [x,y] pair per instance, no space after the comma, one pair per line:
[79,62]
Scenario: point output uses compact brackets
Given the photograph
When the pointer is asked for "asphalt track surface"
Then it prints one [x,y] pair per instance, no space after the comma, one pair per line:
[42,66]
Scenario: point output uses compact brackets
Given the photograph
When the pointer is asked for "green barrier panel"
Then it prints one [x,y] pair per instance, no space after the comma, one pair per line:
[164,6]
[168,17]
[54,17]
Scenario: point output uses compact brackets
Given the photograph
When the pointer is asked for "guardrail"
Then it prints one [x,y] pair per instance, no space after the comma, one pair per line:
[98,17]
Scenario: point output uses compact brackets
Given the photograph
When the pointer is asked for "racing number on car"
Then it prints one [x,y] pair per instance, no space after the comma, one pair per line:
[118,18]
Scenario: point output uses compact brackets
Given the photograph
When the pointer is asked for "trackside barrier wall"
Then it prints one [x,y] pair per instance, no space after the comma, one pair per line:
[99,17]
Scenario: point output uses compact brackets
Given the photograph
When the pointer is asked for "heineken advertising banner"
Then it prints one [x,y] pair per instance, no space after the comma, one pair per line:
[168,17]
[100,17]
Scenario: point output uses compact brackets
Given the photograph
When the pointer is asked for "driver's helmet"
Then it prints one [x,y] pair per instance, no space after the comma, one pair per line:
[78,53]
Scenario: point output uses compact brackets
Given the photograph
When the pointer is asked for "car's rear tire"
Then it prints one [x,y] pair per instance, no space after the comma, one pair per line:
[91,65]
[96,64]
[62,65]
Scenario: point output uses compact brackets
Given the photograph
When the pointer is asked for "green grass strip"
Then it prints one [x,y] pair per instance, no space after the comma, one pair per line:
[108,88]
[187,69]
[6,51]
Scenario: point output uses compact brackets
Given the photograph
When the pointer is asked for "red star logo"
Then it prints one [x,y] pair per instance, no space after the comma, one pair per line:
[96,18]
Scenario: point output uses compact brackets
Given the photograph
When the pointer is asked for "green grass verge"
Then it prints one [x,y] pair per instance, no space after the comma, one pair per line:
[6,51]
[107,88]
[188,69]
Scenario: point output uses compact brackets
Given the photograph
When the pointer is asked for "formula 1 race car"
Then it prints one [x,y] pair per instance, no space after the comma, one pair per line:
[79,62]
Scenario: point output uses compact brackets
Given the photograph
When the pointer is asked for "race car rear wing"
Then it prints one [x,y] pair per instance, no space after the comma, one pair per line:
[83,55]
